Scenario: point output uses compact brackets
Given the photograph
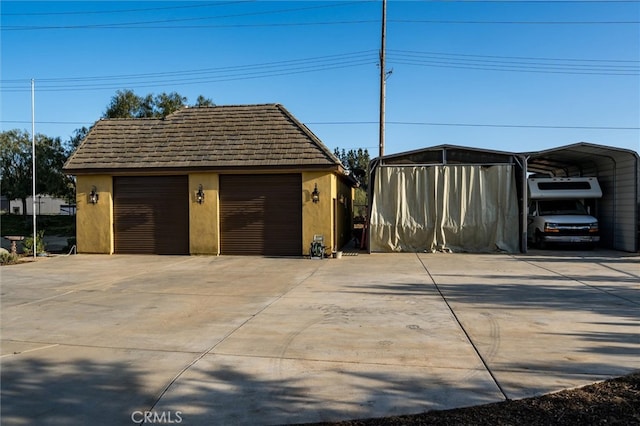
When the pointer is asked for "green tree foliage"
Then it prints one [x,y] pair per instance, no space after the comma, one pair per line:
[126,104]
[357,163]
[164,104]
[15,160]
[75,140]
[16,167]
[204,102]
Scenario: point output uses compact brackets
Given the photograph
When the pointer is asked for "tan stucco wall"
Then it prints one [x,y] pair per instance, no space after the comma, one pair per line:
[317,218]
[94,222]
[204,219]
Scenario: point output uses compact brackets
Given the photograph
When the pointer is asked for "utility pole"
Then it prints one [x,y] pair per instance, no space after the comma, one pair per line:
[383,75]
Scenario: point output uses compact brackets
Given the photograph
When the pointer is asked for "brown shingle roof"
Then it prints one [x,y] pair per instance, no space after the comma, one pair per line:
[209,137]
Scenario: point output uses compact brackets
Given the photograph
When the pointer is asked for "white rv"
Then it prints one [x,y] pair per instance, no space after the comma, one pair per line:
[557,211]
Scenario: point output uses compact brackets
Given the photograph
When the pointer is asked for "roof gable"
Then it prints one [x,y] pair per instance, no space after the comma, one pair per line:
[202,137]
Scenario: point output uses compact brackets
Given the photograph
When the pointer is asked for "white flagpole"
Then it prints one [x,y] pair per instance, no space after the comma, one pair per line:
[33,164]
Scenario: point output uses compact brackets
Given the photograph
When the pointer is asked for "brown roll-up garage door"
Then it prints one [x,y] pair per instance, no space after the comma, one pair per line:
[151,214]
[261,214]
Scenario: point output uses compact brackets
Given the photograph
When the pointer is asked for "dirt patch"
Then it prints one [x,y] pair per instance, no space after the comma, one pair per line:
[613,402]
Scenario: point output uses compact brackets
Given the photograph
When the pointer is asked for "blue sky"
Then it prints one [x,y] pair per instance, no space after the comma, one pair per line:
[503,75]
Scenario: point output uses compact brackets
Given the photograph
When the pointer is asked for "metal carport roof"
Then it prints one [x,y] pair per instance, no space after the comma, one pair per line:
[617,171]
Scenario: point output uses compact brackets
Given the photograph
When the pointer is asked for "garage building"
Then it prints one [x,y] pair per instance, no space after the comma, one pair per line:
[236,180]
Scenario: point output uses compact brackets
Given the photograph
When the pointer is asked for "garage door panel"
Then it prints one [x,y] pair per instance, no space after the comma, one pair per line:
[151,215]
[261,214]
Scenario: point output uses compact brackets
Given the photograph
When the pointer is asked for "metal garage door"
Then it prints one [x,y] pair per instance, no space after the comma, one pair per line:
[261,214]
[151,214]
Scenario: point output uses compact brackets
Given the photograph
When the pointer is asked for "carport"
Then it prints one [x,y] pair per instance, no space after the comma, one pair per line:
[617,171]
[446,198]
[471,199]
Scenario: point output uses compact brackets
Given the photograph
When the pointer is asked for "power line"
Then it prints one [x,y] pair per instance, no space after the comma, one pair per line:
[538,58]
[617,67]
[61,123]
[207,75]
[216,4]
[517,63]
[399,123]
[149,24]
[514,67]
[532,1]
[460,22]
[520,126]
[274,64]
[610,67]
[149,9]
[143,26]
[169,27]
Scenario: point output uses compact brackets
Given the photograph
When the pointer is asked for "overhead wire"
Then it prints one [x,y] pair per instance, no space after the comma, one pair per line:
[142,25]
[401,123]
[500,125]
[515,64]
[609,67]
[116,11]
[605,67]
[207,75]
[149,24]
[154,24]
[477,22]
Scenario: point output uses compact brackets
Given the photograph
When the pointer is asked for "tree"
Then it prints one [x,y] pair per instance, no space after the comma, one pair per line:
[204,102]
[15,160]
[16,163]
[357,163]
[74,141]
[165,104]
[126,104]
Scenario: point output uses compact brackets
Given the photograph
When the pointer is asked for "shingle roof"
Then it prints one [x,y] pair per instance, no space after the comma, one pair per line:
[208,137]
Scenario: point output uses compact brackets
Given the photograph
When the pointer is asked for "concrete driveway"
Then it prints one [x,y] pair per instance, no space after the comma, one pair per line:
[250,340]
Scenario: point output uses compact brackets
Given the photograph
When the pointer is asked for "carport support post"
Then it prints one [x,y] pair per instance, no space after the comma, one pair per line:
[523,237]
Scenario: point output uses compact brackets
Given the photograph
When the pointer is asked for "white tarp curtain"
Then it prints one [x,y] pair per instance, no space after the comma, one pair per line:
[462,208]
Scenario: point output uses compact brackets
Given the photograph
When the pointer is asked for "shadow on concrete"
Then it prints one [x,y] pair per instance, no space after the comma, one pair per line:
[226,395]
[80,392]
[609,300]
[84,392]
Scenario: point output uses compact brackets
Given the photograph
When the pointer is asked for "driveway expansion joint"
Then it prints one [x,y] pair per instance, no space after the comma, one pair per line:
[466,333]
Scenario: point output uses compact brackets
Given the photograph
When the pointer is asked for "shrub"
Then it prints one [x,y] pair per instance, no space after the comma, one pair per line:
[28,244]
[7,258]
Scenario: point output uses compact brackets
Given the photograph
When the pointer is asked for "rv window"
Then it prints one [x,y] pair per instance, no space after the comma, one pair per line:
[561,207]
[555,186]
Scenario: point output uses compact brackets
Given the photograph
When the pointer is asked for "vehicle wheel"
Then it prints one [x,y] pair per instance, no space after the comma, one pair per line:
[540,242]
